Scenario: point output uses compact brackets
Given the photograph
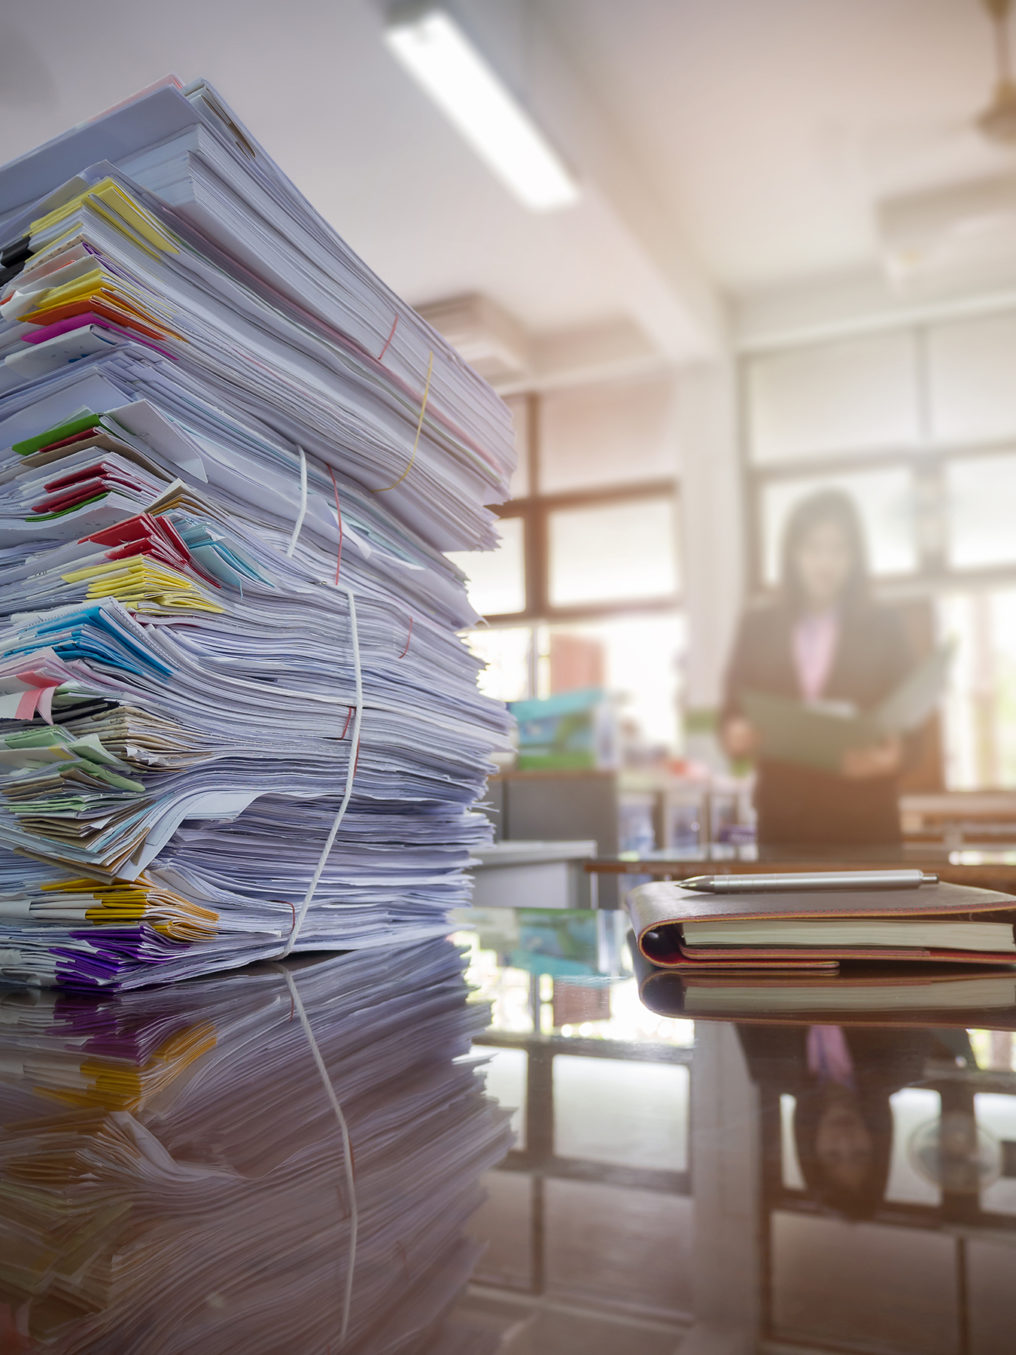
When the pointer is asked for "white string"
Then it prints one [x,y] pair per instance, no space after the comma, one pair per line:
[303,504]
[354,749]
[347,1151]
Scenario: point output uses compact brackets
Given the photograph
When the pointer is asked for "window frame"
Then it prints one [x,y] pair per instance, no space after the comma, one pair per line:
[926,462]
[535,509]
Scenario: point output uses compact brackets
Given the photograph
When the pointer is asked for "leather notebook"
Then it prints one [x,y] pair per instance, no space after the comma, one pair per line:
[697,932]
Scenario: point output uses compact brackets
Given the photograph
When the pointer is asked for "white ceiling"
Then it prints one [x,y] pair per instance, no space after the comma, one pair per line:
[739,142]
[315,83]
[771,127]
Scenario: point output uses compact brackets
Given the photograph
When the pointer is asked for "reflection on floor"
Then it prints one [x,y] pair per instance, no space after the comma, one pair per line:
[588,1225]
[544,1328]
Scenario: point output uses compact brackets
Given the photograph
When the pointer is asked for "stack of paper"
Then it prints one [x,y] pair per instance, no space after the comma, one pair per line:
[236,718]
[283,1160]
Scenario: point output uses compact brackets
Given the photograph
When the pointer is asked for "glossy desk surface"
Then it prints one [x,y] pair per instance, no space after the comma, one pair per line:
[987,867]
[299,1158]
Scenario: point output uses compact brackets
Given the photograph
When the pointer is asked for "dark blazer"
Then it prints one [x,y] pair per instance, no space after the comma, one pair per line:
[799,806]
[884,1058]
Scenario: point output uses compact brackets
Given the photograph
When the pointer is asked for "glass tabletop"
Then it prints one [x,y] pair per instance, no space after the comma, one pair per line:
[511,1140]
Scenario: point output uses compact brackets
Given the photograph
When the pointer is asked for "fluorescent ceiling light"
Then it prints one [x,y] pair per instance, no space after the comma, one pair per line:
[438,54]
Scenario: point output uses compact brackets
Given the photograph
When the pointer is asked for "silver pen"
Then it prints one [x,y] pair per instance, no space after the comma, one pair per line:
[801,880]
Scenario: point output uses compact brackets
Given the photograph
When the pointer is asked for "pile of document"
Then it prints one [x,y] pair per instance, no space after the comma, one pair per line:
[236,716]
[281,1160]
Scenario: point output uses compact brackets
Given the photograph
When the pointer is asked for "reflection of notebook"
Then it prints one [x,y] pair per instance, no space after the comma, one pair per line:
[940,995]
[819,733]
[793,930]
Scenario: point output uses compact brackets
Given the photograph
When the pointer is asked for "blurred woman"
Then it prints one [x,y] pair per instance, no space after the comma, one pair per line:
[823,638]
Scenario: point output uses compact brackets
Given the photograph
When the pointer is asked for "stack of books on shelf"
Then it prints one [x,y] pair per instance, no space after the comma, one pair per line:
[236,716]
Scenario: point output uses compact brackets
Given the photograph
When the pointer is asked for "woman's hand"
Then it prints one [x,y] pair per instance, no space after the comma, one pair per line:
[879,759]
[740,737]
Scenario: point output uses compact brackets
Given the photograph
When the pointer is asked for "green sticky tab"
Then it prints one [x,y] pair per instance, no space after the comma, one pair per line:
[56,806]
[37,737]
[112,778]
[57,434]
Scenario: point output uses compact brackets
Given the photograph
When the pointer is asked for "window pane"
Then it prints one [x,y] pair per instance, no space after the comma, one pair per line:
[979,494]
[834,398]
[613,551]
[608,435]
[638,660]
[497,578]
[885,499]
[506,652]
[1002,629]
[970,373]
[962,723]
[980,709]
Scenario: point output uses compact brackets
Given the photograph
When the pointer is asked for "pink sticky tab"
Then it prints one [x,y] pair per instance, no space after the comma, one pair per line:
[27,704]
[38,679]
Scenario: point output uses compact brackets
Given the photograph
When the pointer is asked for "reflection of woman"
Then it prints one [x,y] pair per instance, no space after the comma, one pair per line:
[823,638]
[841,1081]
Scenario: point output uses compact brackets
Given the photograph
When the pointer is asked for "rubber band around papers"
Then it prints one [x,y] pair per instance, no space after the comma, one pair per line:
[347,1150]
[405,649]
[298,524]
[354,756]
[338,510]
[419,429]
[391,335]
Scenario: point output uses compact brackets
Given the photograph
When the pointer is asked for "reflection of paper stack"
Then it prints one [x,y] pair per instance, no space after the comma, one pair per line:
[819,733]
[231,461]
[222,1209]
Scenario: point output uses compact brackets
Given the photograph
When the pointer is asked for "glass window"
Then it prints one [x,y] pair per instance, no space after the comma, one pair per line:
[885,499]
[980,711]
[612,552]
[608,435]
[970,373]
[497,578]
[507,653]
[979,496]
[1002,625]
[834,399]
[962,710]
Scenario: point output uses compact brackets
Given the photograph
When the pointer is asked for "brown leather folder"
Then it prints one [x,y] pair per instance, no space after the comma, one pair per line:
[663,914]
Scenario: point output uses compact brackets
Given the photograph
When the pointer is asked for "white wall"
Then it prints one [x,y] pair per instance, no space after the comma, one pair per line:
[713,523]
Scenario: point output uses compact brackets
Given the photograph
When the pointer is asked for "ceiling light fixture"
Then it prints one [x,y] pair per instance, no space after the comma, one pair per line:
[437,53]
